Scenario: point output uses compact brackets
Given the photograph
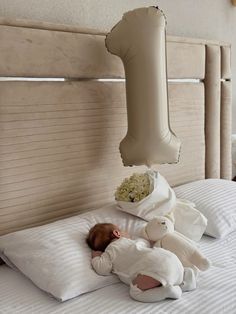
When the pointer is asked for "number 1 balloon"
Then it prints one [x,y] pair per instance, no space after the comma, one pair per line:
[139,40]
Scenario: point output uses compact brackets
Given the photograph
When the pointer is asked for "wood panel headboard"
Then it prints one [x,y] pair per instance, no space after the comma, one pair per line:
[60,134]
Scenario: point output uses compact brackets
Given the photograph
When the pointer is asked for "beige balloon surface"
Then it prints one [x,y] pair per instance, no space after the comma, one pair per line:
[139,40]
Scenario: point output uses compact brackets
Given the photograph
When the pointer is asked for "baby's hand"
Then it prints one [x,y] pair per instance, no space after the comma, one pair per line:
[96,253]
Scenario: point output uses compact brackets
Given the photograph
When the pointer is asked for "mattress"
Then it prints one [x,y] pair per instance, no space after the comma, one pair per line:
[216,292]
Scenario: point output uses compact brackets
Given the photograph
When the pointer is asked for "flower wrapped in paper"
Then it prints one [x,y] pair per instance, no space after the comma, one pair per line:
[146,195]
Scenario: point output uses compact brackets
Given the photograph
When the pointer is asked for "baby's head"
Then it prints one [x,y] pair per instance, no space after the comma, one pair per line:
[101,235]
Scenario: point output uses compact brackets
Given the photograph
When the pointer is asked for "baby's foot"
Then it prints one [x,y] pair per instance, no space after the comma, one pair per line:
[173,292]
[189,282]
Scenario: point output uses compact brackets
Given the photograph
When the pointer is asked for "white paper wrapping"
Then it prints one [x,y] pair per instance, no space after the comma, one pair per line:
[160,202]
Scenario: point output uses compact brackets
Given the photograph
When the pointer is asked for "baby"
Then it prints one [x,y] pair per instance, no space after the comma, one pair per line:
[153,274]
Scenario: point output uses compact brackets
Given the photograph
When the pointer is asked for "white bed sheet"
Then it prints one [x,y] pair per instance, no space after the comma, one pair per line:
[216,291]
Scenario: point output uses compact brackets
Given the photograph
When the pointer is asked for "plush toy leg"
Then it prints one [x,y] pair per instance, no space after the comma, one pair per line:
[189,282]
[155,294]
[198,259]
[188,264]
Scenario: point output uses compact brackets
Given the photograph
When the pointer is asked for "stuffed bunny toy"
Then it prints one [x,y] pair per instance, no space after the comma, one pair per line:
[160,230]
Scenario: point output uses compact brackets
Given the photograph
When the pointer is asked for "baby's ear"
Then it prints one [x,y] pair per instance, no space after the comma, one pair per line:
[116,233]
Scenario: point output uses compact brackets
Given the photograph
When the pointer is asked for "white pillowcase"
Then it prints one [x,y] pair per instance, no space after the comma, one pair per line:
[56,257]
[216,199]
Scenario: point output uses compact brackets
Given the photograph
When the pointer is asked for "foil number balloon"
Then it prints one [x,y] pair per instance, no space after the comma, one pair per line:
[139,40]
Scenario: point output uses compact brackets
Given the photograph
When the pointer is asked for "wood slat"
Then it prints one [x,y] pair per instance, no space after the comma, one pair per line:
[40,53]
[226,62]
[35,52]
[226,131]
[181,60]
[212,107]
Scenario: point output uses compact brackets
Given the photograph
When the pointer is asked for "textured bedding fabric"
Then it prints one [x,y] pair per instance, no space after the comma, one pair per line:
[215,293]
[215,198]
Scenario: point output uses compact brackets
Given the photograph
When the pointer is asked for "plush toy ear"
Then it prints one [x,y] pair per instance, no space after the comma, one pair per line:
[171,216]
[144,233]
[169,224]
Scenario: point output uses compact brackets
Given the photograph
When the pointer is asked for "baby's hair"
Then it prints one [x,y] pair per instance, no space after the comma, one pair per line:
[100,236]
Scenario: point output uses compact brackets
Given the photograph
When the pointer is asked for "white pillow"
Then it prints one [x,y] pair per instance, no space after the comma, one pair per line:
[216,199]
[56,257]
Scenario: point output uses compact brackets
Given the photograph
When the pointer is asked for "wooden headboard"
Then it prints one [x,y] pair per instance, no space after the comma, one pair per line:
[63,114]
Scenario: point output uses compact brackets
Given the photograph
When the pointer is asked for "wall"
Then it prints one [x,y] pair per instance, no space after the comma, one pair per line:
[210,19]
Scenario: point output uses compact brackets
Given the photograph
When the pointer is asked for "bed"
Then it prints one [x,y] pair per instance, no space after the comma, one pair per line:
[62,103]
